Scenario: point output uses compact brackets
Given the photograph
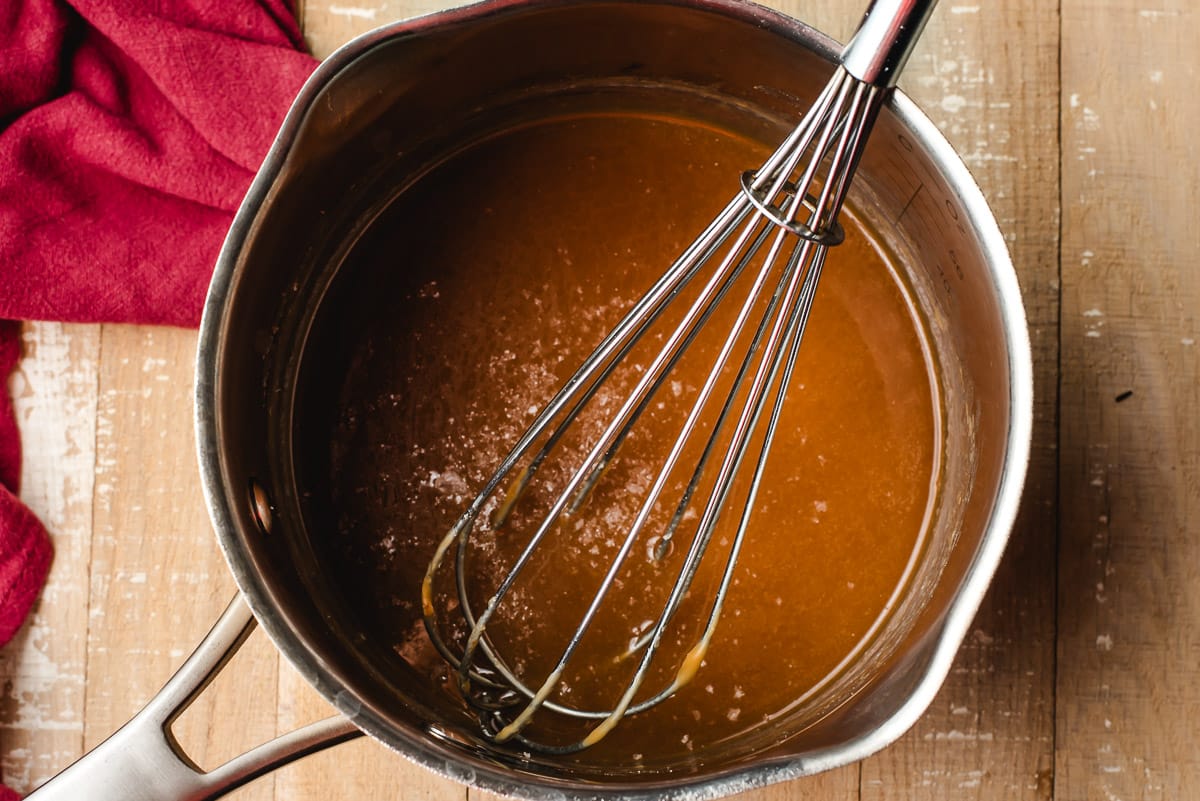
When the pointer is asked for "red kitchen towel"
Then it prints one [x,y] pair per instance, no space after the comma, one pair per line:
[129,131]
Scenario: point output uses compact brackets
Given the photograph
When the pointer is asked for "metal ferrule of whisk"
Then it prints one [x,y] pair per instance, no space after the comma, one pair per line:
[777,229]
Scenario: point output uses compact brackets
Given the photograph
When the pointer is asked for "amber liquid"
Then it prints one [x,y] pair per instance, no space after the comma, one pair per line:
[474,296]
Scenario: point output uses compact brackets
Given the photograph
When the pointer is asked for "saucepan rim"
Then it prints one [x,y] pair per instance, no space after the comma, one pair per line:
[419,746]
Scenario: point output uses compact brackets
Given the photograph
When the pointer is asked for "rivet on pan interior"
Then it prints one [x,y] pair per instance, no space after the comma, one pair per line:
[260,506]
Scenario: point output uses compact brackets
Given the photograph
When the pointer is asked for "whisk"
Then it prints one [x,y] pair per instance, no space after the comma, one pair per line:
[776,230]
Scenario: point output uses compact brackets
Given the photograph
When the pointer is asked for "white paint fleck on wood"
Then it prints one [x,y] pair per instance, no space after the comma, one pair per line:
[354,11]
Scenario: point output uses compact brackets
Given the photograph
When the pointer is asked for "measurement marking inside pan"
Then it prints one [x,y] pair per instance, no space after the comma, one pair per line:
[913,197]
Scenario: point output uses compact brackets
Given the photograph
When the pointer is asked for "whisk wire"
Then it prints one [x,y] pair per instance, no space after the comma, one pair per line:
[620,425]
[692,660]
[656,490]
[784,337]
[584,383]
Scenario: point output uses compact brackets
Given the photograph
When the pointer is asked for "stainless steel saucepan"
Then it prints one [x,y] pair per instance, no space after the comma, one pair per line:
[385,107]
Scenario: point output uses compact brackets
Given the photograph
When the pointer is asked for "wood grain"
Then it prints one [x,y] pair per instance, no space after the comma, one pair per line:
[1129,568]
[158,580]
[1081,674]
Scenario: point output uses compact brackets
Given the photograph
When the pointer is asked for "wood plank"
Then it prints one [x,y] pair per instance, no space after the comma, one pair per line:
[158,580]
[1129,575]
[54,394]
[327,26]
[986,74]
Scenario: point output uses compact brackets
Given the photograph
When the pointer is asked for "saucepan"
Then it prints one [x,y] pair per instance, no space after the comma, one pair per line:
[400,98]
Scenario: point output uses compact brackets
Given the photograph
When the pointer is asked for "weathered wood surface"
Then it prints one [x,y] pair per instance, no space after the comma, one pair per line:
[1081,676]
[1128,686]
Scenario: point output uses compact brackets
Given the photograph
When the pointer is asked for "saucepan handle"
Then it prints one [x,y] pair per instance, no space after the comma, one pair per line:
[142,761]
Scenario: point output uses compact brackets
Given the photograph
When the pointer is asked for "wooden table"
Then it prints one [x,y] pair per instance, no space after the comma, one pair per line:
[1081,676]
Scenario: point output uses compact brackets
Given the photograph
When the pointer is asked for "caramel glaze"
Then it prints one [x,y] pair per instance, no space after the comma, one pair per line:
[472,298]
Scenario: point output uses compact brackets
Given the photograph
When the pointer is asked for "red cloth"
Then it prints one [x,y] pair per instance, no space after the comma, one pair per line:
[129,131]
[133,129]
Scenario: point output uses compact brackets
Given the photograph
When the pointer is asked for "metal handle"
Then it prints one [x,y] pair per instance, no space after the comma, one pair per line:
[142,761]
[884,40]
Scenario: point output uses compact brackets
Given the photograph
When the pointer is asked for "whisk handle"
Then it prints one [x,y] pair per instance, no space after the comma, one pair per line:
[884,40]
